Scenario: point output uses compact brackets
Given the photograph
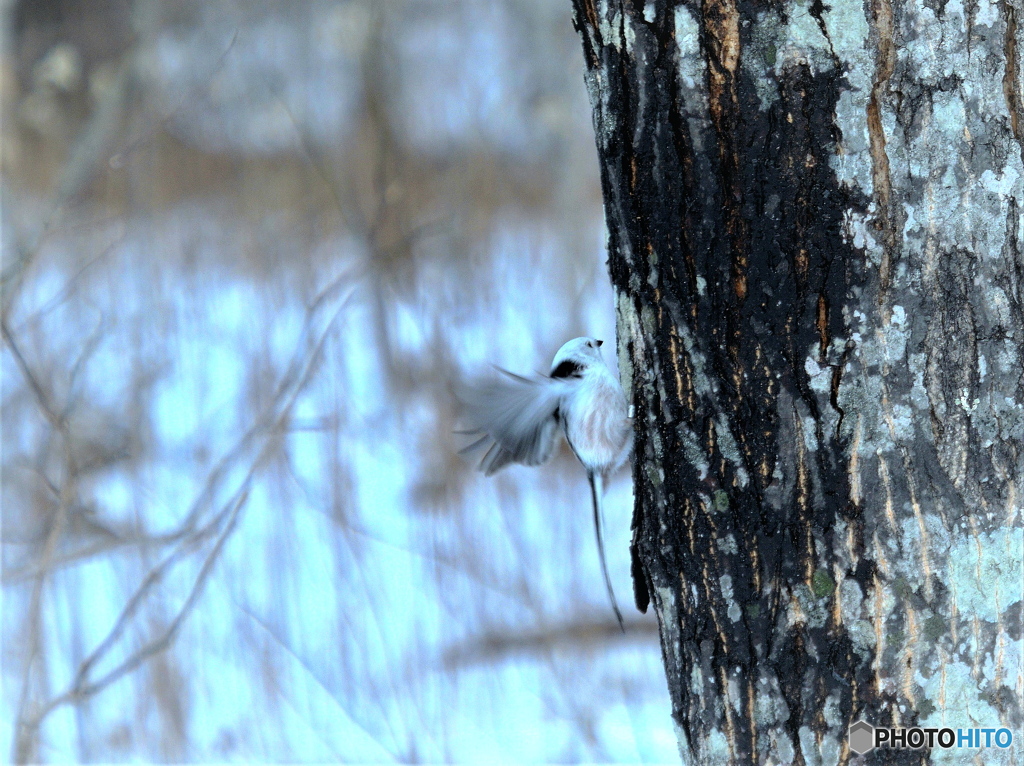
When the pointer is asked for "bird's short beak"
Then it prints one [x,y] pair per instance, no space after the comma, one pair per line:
[599,343]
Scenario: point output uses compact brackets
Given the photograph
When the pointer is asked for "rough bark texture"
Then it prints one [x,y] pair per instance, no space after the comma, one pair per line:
[814,217]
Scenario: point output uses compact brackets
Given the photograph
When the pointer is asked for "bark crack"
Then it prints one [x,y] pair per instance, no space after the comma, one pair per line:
[1011,85]
[885,65]
[722,32]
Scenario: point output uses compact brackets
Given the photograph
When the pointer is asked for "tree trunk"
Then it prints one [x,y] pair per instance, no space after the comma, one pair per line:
[815,225]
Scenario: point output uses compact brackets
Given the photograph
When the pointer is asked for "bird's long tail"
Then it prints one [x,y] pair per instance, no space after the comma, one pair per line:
[596,493]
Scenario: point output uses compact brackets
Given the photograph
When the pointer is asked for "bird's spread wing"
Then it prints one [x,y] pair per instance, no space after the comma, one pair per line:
[516,418]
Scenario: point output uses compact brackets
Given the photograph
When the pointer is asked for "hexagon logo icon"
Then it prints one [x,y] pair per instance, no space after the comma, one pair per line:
[862,737]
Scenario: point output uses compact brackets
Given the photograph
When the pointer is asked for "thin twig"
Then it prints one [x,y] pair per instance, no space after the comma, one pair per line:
[81,689]
[293,382]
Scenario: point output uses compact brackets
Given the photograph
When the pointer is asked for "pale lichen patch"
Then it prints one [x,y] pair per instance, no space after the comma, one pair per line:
[730,449]
[783,748]
[809,746]
[983,571]
[734,611]
[961,706]
[616,28]
[718,751]
[626,320]
[781,41]
[691,64]
[820,378]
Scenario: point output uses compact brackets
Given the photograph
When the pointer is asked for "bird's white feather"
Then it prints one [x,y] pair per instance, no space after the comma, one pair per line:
[516,418]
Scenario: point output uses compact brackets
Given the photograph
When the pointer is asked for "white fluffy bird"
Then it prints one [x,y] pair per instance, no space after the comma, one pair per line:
[519,419]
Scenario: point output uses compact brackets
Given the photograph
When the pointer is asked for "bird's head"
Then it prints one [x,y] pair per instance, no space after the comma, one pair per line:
[575,356]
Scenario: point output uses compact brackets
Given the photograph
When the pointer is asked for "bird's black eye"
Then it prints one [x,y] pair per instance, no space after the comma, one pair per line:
[589,344]
[568,369]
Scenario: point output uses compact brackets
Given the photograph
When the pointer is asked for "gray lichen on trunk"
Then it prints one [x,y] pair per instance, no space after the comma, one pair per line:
[815,226]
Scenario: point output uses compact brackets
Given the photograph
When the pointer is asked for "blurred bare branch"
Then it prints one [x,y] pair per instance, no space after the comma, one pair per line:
[271,427]
[573,636]
[83,687]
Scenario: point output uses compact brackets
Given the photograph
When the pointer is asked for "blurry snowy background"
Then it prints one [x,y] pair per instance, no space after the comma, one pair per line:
[249,250]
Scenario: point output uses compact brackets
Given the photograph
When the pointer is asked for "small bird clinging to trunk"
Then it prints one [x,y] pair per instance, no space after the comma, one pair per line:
[518,421]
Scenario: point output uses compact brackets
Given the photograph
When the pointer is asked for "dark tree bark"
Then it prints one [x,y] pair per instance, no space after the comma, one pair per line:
[814,219]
